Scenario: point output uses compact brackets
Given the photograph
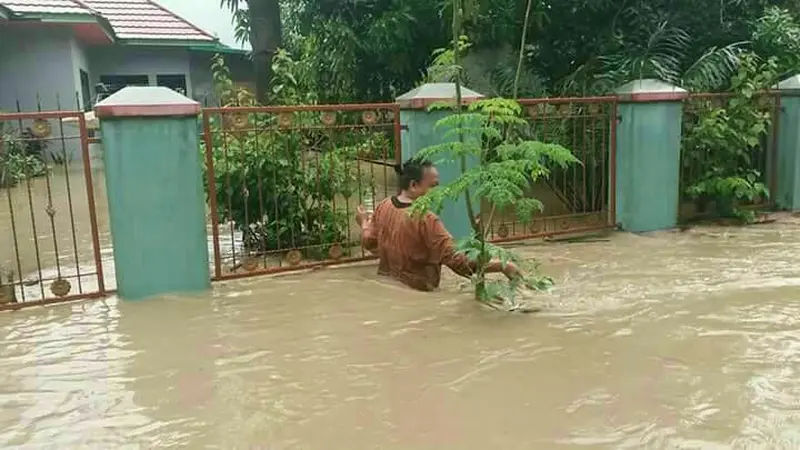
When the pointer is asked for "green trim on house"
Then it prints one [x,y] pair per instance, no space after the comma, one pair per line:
[221,48]
[206,46]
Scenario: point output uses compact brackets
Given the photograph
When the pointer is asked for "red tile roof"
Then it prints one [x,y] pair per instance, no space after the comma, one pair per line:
[130,19]
[44,6]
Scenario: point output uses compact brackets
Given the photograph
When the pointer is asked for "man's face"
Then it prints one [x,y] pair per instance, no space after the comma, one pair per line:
[430,179]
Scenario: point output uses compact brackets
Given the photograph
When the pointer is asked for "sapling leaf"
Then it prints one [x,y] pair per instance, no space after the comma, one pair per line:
[490,135]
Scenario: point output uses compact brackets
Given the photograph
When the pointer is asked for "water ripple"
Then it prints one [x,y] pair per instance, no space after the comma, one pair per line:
[679,341]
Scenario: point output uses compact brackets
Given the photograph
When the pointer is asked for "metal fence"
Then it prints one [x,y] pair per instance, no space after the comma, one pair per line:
[577,199]
[283,183]
[49,224]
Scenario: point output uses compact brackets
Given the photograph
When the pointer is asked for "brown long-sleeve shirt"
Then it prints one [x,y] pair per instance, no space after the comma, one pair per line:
[412,250]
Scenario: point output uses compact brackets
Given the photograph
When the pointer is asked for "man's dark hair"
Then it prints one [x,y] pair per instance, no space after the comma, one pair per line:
[411,170]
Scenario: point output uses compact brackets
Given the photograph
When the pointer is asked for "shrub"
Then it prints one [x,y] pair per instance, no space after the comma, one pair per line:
[19,159]
[725,140]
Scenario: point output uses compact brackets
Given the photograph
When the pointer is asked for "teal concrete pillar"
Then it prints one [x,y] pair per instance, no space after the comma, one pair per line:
[156,203]
[419,132]
[787,184]
[648,155]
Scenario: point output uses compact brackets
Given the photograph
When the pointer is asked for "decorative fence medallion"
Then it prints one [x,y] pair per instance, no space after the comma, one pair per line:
[328,118]
[250,263]
[239,121]
[294,257]
[285,120]
[336,251]
[236,124]
[41,128]
[502,231]
[60,287]
[369,117]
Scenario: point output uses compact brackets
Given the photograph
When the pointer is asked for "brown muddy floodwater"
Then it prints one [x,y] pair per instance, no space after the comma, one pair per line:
[668,341]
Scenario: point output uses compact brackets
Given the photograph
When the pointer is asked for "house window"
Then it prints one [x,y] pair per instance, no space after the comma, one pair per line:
[117,82]
[86,91]
[175,82]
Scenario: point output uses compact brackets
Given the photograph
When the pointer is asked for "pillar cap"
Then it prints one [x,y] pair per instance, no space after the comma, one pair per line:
[146,101]
[429,93]
[789,85]
[650,90]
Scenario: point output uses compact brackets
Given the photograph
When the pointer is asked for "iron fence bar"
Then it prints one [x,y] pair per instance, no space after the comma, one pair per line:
[87,174]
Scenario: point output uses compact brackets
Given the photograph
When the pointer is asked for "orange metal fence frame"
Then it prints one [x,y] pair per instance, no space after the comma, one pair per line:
[588,123]
[331,126]
[25,128]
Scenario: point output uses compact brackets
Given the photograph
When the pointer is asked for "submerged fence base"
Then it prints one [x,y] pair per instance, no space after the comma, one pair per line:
[282,184]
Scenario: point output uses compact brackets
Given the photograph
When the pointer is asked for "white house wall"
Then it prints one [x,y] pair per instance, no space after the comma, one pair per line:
[39,69]
[37,63]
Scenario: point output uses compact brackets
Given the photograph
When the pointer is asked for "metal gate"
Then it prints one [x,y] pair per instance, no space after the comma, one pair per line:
[581,198]
[51,248]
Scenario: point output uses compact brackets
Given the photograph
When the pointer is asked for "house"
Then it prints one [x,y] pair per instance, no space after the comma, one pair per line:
[54,53]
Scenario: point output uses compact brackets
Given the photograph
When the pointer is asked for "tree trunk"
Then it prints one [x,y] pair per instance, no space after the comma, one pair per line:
[265,38]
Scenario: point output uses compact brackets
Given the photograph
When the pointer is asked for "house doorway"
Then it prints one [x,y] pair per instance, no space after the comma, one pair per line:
[86,92]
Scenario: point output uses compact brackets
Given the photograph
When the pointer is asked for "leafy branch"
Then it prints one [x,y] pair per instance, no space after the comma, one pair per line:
[489,132]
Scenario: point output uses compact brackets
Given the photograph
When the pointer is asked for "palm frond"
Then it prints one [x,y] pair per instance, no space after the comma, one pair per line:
[233,5]
[713,70]
[241,25]
[491,72]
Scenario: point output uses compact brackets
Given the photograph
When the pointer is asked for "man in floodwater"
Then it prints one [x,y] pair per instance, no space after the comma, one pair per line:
[413,250]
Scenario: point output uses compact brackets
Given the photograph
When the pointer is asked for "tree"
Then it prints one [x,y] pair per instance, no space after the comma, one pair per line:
[489,132]
[373,50]
[262,24]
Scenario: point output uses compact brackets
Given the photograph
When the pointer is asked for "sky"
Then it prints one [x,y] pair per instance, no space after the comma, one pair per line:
[206,14]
